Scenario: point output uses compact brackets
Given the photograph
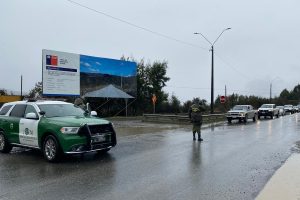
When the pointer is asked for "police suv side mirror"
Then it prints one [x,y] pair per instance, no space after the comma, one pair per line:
[31,116]
[94,113]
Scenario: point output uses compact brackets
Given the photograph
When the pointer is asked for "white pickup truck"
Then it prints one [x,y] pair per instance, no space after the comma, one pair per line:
[241,113]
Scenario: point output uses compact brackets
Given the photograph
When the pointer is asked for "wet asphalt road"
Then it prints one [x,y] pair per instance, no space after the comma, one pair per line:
[233,162]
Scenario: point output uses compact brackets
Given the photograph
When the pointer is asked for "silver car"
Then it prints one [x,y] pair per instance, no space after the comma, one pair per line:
[281,110]
[288,108]
[242,113]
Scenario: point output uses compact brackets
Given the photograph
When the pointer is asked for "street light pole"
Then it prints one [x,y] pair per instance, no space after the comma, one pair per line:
[212,67]
[271,87]
[212,81]
[271,92]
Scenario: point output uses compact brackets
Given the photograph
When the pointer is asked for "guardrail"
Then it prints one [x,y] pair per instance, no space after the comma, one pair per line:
[181,119]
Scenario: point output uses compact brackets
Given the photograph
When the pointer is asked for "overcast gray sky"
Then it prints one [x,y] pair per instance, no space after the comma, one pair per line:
[262,47]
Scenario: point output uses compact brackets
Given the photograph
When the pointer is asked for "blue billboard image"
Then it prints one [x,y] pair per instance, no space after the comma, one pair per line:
[97,73]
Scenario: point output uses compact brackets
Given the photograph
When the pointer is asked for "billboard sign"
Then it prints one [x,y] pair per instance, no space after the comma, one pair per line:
[61,73]
[67,74]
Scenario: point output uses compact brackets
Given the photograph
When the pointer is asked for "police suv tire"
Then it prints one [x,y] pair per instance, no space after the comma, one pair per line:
[229,120]
[5,147]
[51,149]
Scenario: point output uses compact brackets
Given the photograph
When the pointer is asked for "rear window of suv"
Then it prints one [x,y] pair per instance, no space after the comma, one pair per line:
[5,109]
[18,110]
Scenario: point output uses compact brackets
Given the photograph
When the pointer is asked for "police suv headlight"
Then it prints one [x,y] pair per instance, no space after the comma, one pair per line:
[270,110]
[242,114]
[69,130]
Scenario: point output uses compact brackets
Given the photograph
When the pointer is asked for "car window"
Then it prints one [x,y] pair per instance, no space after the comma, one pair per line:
[266,106]
[239,107]
[5,109]
[61,110]
[18,110]
[30,109]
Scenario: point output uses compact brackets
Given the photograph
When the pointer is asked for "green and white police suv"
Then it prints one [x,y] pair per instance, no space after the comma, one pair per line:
[54,127]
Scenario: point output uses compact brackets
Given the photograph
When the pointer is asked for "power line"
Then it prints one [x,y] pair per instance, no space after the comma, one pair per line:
[153,32]
[136,26]
[229,65]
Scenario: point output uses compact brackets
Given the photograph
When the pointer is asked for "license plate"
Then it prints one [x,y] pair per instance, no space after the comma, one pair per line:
[99,138]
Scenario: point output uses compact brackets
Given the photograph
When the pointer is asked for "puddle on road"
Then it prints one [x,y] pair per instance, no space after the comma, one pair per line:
[136,127]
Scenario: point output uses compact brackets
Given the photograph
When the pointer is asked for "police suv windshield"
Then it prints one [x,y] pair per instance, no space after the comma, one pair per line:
[61,110]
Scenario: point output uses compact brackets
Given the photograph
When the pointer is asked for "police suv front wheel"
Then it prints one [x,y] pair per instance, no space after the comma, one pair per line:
[51,149]
[5,147]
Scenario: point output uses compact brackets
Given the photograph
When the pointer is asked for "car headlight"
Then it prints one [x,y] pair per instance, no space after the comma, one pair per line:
[69,130]
[270,110]
[242,114]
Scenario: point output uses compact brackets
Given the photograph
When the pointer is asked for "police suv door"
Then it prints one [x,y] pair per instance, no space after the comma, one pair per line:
[29,128]
[13,121]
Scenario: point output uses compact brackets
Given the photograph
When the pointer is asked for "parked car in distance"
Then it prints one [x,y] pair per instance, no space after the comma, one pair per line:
[281,110]
[288,108]
[268,110]
[55,128]
[296,109]
[241,113]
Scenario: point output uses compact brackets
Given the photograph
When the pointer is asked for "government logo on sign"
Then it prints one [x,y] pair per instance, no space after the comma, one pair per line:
[51,60]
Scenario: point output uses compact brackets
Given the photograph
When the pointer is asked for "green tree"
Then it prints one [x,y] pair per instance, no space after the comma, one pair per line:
[3,92]
[284,94]
[151,78]
[295,94]
[156,78]
[175,104]
[37,90]
[186,106]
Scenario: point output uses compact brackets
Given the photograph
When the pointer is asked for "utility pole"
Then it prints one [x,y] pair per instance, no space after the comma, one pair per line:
[212,81]
[212,67]
[21,87]
[270,92]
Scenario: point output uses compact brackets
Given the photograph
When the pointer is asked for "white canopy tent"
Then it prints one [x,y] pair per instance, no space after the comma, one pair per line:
[110,91]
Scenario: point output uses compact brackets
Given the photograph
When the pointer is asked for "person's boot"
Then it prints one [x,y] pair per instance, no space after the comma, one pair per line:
[199,138]
[194,138]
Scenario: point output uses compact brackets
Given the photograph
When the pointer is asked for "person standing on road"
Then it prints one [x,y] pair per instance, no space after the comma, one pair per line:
[80,103]
[195,115]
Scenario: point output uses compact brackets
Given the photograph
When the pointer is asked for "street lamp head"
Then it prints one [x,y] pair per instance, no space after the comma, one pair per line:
[227,28]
